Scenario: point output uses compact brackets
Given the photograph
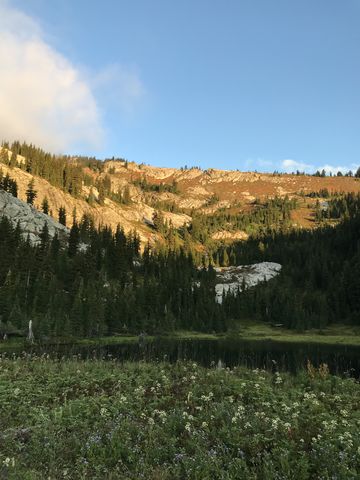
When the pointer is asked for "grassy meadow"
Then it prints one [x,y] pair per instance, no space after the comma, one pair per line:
[101,419]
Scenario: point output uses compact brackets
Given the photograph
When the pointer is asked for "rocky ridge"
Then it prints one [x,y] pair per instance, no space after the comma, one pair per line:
[30,220]
[206,190]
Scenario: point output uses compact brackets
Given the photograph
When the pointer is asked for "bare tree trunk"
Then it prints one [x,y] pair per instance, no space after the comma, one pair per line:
[30,336]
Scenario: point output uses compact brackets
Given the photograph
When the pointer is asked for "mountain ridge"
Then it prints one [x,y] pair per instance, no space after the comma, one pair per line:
[135,193]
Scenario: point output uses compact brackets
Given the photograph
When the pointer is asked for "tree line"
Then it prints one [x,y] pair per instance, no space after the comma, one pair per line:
[320,280]
[101,284]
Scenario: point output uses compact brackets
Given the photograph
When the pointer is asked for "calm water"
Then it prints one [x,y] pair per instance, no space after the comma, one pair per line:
[342,360]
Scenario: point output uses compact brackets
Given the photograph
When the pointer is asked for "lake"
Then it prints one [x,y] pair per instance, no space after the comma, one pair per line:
[341,359]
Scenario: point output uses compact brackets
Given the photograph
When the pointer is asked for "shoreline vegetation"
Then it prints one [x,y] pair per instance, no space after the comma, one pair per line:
[78,419]
[330,335]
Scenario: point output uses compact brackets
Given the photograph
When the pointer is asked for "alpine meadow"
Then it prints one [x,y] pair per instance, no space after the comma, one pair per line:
[179,240]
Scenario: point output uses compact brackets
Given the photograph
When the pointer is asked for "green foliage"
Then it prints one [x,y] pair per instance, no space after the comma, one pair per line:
[62,216]
[45,206]
[272,214]
[61,171]
[100,284]
[320,280]
[31,193]
[92,419]
[8,184]
[156,187]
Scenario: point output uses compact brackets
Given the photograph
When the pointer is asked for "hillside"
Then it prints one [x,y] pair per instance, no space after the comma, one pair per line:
[120,192]
[115,287]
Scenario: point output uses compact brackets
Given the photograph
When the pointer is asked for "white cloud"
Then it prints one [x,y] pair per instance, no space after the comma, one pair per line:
[120,86]
[293,165]
[258,163]
[334,170]
[290,165]
[47,100]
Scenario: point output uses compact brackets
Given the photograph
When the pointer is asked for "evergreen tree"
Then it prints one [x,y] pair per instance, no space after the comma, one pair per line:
[62,216]
[31,193]
[74,240]
[45,206]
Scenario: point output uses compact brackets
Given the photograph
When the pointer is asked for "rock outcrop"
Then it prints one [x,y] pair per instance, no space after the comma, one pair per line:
[30,220]
[234,279]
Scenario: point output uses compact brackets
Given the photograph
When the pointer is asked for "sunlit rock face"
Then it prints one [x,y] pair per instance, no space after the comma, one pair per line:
[234,279]
[30,220]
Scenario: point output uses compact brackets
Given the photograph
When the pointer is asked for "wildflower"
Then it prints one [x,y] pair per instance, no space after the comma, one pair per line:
[151,421]
[204,425]
[275,423]
[9,462]
[17,392]
[140,390]
[188,427]
[103,412]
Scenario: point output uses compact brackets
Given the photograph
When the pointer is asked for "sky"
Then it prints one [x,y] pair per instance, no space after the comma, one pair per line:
[236,84]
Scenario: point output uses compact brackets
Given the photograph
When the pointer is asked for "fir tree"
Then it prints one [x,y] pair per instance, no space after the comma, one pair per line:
[31,193]
[62,216]
[45,206]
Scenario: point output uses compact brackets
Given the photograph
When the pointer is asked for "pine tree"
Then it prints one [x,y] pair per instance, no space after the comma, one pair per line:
[74,240]
[158,220]
[4,157]
[31,193]
[13,188]
[62,216]
[13,160]
[45,206]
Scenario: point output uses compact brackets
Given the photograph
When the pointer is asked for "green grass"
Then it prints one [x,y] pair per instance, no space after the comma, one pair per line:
[332,335]
[93,419]
[247,330]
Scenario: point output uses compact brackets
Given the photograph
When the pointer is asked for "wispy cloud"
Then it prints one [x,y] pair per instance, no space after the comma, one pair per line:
[258,164]
[120,86]
[343,169]
[45,98]
[290,165]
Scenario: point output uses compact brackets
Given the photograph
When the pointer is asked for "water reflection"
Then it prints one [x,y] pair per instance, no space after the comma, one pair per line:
[341,359]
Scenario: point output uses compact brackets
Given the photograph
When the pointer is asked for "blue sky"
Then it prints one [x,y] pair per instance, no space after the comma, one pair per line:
[230,84]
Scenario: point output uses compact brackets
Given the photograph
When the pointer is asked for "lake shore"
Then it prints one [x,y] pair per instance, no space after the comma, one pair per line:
[333,335]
